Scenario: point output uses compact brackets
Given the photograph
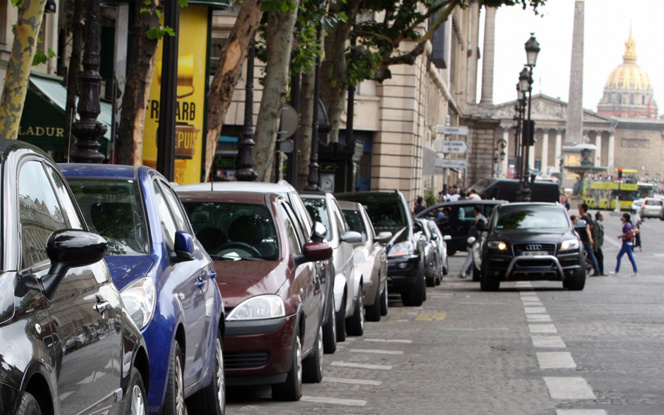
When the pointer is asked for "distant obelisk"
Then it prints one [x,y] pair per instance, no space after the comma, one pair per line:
[574,130]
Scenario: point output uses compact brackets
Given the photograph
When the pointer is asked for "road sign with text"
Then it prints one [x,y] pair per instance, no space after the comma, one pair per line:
[451,163]
[452,129]
[450,146]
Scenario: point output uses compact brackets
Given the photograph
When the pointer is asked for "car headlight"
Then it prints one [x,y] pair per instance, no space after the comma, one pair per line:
[400,249]
[259,307]
[139,299]
[499,245]
[569,244]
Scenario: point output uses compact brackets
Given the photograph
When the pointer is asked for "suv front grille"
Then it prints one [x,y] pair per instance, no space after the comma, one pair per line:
[518,249]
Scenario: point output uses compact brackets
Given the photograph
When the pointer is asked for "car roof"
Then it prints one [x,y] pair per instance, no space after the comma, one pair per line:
[115,171]
[222,196]
[263,187]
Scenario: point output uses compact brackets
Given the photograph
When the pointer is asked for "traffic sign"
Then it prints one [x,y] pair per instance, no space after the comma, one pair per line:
[449,146]
[452,129]
[451,163]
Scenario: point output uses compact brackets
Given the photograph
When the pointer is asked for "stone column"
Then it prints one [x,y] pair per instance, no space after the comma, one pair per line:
[488,58]
[559,145]
[505,166]
[531,157]
[611,161]
[574,128]
[545,149]
[598,144]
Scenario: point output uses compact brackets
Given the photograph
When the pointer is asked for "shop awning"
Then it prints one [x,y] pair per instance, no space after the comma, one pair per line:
[43,119]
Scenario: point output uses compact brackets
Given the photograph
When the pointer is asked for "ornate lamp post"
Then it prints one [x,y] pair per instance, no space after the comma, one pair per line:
[88,130]
[528,126]
[518,117]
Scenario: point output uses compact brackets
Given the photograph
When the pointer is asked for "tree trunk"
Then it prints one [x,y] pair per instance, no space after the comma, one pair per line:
[73,72]
[141,68]
[278,40]
[26,33]
[333,84]
[304,132]
[233,55]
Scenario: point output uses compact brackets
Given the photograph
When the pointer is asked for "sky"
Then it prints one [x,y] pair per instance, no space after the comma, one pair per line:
[607,26]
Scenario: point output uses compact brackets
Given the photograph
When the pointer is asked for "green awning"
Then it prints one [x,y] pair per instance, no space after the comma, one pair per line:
[43,118]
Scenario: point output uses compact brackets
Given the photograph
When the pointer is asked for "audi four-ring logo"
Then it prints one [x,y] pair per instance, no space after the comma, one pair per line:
[534,247]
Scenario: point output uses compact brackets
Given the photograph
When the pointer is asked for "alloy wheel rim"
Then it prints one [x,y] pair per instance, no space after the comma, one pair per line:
[137,404]
[298,361]
[180,407]
[320,347]
[334,324]
[219,356]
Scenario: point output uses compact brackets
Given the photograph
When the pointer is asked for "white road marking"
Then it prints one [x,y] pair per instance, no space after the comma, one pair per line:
[374,351]
[533,304]
[528,294]
[580,412]
[542,328]
[352,381]
[553,342]
[334,401]
[388,340]
[523,284]
[569,388]
[535,310]
[538,318]
[361,366]
[403,321]
[555,360]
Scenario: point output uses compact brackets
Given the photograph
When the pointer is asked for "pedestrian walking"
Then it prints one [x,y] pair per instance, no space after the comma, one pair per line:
[636,224]
[627,237]
[473,235]
[583,226]
[598,241]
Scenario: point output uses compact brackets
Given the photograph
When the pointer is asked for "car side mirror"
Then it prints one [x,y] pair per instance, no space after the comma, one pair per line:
[316,251]
[351,237]
[319,232]
[384,237]
[184,246]
[417,227]
[434,237]
[69,248]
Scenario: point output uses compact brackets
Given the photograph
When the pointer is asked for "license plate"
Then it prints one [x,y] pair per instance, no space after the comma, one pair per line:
[534,253]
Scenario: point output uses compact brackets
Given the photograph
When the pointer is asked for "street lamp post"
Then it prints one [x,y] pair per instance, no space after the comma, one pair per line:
[518,108]
[528,126]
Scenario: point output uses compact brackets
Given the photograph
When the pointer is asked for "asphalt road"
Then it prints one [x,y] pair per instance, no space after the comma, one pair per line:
[531,348]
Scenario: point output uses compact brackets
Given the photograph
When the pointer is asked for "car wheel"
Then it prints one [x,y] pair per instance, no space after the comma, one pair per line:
[341,321]
[355,323]
[577,283]
[29,405]
[291,389]
[312,366]
[384,301]
[487,283]
[417,294]
[446,268]
[477,274]
[330,330]
[212,398]
[136,399]
[174,403]
[373,311]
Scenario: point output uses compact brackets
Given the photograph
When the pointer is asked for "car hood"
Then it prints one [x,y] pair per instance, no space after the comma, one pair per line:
[239,280]
[125,269]
[553,236]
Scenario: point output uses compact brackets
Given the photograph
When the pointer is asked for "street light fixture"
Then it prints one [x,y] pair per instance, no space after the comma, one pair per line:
[528,126]
[532,50]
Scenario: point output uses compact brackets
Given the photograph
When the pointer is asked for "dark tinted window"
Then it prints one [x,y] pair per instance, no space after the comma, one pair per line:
[531,217]
[355,222]
[385,212]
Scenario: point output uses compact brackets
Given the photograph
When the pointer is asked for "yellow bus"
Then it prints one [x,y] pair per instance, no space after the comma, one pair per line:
[601,194]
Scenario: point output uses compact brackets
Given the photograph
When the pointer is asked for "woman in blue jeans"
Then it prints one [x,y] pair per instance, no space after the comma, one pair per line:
[627,237]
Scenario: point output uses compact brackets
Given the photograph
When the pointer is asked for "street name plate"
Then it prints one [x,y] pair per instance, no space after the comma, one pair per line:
[450,146]
[451,163]
[452,129]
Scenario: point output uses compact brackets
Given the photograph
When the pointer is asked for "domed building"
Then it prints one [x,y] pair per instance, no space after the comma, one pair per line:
[628,92]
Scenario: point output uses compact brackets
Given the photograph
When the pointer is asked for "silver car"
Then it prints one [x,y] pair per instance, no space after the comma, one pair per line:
[652,208]
[370,259]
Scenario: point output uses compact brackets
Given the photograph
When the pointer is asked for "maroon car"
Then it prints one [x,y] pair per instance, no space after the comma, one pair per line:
[272,292]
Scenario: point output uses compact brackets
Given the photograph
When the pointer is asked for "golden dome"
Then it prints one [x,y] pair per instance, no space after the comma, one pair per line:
[629,75]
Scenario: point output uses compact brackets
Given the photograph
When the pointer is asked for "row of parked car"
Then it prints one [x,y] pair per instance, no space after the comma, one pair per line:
[122,293]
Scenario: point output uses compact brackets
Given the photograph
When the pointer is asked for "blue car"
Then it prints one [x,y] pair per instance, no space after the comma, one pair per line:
[166,279]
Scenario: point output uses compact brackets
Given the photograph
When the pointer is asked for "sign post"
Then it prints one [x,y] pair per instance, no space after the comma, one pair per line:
[451,147]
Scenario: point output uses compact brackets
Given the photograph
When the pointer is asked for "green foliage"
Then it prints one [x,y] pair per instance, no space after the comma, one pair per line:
[430,197]
[41,57]
[157,33]
[284,6]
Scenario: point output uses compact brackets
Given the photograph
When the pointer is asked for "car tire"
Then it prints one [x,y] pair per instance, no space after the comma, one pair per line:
[136,400]
[373,311]
[291,389]
[355,323]
[330,330]
[487,283]
[212,398]
[477,274]
[577,283]
[384,301]
[312,366]
[446,268]
[341,321]
[174,402]
[417,294]
[29,405]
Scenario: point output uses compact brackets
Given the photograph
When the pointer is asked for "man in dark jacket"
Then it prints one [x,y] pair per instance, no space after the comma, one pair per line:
[598,241]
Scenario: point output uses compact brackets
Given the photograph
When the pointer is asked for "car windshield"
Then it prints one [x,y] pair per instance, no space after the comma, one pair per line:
[234,231]
[318,212]
[113,209]
[531,217]
[385,212]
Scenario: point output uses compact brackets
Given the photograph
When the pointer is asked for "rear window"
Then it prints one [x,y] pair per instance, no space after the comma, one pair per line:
[531,217]
[385,212]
